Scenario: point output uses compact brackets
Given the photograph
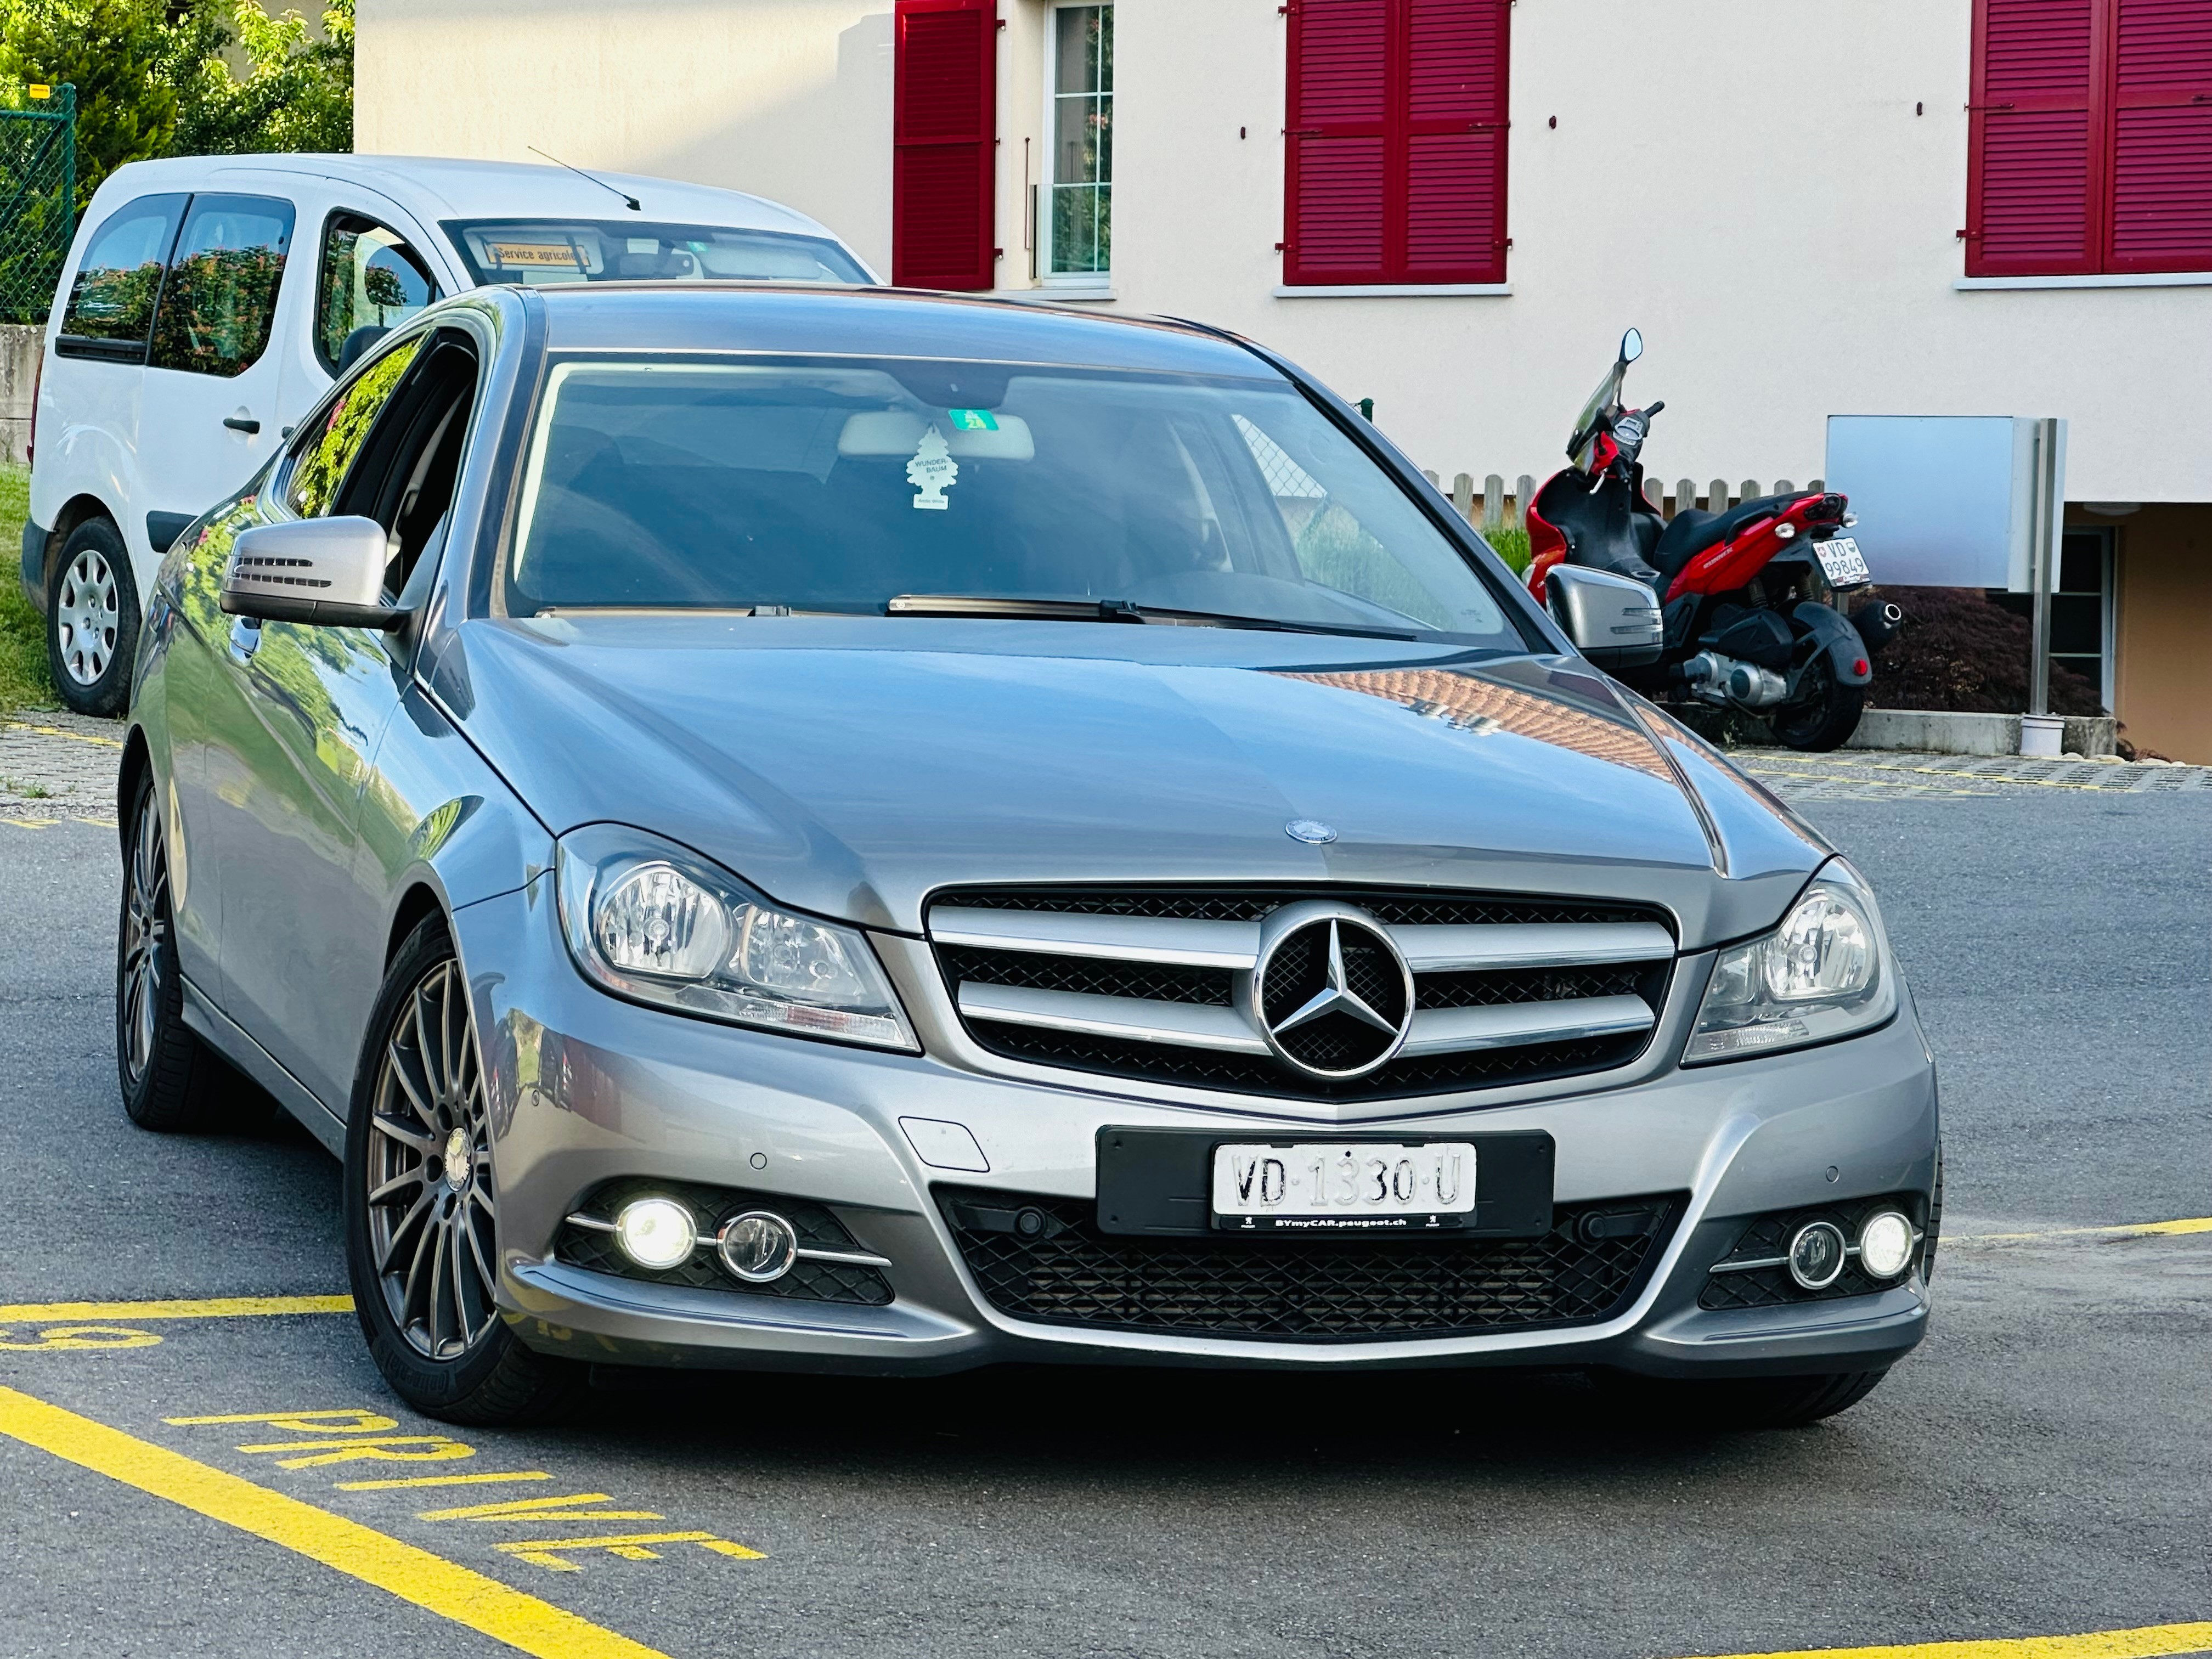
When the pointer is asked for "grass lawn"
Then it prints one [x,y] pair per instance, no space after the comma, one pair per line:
[23,678]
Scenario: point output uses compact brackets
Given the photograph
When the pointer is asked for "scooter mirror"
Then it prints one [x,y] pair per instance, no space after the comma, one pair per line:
[1631,345]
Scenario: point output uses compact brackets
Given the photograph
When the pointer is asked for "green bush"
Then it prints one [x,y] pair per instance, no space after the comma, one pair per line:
[23,678]
[1510,545]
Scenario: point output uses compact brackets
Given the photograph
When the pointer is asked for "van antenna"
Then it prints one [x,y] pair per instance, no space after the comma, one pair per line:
[628,200]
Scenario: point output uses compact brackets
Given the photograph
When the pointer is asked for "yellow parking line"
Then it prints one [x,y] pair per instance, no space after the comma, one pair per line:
[217,1307]
[430,1582]
[74,736]
[2200,1224]
[2148,1642]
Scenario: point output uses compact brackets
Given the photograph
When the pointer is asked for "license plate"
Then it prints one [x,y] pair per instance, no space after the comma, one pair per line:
[1344,1187]
[1842,560]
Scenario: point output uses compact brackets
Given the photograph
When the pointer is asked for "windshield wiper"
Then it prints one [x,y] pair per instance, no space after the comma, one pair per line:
[1114,611]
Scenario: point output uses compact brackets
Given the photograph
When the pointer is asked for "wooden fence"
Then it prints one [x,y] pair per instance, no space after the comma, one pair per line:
[1495,509]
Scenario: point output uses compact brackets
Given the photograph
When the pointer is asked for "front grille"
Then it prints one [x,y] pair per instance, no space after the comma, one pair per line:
[807,1281]
[1305,1290]
[996,944]
[1768,1236]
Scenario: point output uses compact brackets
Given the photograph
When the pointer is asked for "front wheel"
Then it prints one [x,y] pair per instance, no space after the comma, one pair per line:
[91,620]
[1824,713]
[422,1209]
[172,1082]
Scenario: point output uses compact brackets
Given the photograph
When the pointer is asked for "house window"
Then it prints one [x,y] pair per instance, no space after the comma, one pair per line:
[2091,142]
[1079,190]
[1395,167]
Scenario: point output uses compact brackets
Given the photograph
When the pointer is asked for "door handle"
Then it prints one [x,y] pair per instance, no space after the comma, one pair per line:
[245,424]
[245,637]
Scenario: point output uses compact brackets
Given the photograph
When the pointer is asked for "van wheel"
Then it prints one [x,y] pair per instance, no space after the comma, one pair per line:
[91,620]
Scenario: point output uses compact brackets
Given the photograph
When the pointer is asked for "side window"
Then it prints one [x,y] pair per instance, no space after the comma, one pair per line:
[221,296]
[322,456]
[111,302]
[404,476]
[370,280]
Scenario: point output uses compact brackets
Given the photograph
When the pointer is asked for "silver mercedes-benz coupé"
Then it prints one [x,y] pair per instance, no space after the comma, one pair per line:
[889,832]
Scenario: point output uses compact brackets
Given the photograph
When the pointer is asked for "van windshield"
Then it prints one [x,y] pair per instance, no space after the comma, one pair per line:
[545,252]
[892,486]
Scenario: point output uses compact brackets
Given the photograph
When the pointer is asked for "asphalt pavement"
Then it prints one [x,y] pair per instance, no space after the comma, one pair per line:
[2040,1467]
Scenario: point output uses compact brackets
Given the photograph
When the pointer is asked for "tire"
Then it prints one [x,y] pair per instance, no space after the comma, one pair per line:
[1825,717]
[1750,1402]
[172,1082]
[91,620]
[422,1247]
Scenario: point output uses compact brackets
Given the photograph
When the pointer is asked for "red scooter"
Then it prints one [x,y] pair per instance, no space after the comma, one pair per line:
[1749,597]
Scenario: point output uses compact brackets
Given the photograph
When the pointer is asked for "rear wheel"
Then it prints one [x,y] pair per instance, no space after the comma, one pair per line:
[171,1081]
[421,1208]
[1823,714]
[91,620]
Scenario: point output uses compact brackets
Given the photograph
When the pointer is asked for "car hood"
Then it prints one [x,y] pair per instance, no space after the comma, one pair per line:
[850,767]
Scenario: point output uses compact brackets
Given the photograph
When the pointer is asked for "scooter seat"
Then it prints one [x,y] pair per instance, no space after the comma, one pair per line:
[1690,531]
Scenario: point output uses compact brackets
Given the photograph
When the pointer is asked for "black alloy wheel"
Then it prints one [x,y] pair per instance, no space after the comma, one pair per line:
[91,620]
[171,1081]
[422,1204]
[1823,713]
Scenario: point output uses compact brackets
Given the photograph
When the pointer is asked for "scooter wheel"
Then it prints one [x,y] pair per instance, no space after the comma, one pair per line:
[1823,716]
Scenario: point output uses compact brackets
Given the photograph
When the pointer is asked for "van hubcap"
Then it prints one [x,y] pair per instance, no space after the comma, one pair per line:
[430,1216]
[85,617]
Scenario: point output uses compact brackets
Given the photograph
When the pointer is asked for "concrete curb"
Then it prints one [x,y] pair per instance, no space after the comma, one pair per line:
[1931,732]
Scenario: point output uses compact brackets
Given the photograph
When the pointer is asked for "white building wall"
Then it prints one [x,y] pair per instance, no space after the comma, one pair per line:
[1746,180]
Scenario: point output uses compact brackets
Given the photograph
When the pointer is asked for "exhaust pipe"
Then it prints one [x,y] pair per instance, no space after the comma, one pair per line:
[1878,623]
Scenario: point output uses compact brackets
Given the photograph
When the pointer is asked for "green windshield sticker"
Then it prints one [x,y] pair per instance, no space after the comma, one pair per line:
[973,420]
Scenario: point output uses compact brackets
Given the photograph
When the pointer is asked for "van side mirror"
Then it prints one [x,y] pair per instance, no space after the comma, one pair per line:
[328,573]
[1613,621]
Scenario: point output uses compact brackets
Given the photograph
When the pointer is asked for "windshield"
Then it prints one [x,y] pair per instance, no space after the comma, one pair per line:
[544,252]
[842,486]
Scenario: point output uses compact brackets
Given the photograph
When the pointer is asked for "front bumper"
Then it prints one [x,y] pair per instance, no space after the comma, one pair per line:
[586,1088]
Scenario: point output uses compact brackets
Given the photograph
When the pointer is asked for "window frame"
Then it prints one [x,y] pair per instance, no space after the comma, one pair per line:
[322,276]
[1048,274]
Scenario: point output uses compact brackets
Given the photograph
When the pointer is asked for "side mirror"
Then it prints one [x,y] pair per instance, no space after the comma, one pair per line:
[1613,621]
[325,572]
[1631,345]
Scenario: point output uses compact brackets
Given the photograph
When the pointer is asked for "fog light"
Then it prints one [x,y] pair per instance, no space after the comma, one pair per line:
[1816,1255]
[656,1233]
[1886,1244]
[758,1246]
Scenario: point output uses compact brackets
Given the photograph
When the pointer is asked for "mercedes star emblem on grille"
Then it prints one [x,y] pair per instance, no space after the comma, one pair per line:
[1330,991]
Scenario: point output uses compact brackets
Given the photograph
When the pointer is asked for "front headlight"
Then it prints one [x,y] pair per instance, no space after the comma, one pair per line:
[1821,974]
[649,920]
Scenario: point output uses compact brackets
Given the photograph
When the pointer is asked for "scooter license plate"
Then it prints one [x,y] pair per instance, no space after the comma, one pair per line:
[1845,565]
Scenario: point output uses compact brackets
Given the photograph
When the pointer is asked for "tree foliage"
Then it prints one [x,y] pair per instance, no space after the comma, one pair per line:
[155,79]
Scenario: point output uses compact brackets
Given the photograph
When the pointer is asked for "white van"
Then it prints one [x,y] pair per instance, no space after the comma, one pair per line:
[186,338]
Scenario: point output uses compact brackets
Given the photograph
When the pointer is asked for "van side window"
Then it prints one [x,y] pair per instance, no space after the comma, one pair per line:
[370,282]
[221,297]
[321,456]
[111,302]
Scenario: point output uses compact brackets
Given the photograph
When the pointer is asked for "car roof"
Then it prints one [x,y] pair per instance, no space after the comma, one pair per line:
[446,187]
[877,322]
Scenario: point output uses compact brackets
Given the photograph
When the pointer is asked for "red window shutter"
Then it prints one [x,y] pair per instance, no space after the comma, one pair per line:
[1395,168]
[1455,141]
[2161,161]
[944,128]
[2034,169]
